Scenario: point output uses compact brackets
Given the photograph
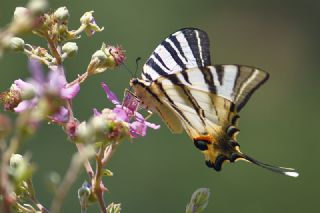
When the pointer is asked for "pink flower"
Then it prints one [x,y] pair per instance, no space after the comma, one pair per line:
[28,93]
[127,111]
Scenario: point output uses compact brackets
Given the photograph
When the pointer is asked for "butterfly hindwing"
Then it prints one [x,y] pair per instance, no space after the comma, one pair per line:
[235,83]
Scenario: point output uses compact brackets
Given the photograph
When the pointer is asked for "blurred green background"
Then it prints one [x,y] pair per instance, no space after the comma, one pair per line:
[158,173]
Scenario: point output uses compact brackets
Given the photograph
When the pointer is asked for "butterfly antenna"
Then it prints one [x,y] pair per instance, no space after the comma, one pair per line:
[281,170]
[126,67]
[137,66]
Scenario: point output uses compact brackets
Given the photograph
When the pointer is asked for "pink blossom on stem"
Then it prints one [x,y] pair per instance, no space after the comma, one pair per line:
[127,111]
[25,95]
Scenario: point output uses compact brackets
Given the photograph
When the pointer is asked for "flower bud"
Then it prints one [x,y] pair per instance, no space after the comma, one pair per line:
[38,6]
[16,44]
[106,57]
[98,124]
[84,190]
[23,21]
[70,48]
[84,194]
[20,168]
[86,18]
[117,54]
[83,132]
[20,12]
[89,24]
[61,14]
[199,201]
[114,208]
[15,160]
[98,63]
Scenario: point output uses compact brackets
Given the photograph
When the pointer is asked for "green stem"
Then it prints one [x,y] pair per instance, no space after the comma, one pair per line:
[98,191]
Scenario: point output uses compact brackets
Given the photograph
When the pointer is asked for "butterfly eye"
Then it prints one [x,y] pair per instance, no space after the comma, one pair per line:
[201,144]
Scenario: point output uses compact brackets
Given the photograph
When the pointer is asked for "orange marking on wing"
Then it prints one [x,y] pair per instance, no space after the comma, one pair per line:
[207,138]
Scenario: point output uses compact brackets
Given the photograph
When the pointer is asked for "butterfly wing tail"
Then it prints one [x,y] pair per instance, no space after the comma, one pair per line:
[216,156]
[281,170]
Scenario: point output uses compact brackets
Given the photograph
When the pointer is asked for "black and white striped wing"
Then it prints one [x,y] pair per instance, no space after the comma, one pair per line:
[184,49]
[235,83]
[213,93]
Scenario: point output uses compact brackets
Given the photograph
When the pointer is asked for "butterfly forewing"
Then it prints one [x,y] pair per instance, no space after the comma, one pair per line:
[187,48]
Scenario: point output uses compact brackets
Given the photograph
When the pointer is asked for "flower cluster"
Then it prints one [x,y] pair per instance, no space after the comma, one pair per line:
[128,111]
[47,94]
[112,125]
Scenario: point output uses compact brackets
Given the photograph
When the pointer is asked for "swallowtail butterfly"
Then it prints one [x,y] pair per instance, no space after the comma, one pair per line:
[181,85]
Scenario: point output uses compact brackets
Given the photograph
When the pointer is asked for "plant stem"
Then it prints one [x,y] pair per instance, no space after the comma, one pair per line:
[4,184]
[86,163]
[53,49]
[80,79]
[96,182]
[69,179]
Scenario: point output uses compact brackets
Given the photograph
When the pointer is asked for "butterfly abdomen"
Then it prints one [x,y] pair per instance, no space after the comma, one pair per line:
[218,149]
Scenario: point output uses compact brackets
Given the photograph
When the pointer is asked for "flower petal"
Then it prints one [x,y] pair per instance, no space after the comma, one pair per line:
[61,116]
[152,125]
[70,92]
[36,70]
[131,102]
[23,85]
[120,113]
[57,78]
[96,112]
[138,129]
[24,105]
[110,95]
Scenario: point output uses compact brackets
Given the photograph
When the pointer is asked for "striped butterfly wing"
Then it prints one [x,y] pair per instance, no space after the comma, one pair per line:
[208,99]
[184,49]
[180,84]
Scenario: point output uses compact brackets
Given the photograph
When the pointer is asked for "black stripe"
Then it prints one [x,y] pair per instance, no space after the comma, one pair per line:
[219,160]
[160,60]
[234,119]
[173,54]
[192,40]
[243,81]
[247,97]
[173,105]
[178,45]
[175,80]
[220,72]
[147,88]
[186,77]
[231,130]
[147,76]
[232,107]
[236,82]
[208,78]
[205,47]
[156,67]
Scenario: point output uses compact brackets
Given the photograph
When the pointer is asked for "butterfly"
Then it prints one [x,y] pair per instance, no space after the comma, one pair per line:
[181,85]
